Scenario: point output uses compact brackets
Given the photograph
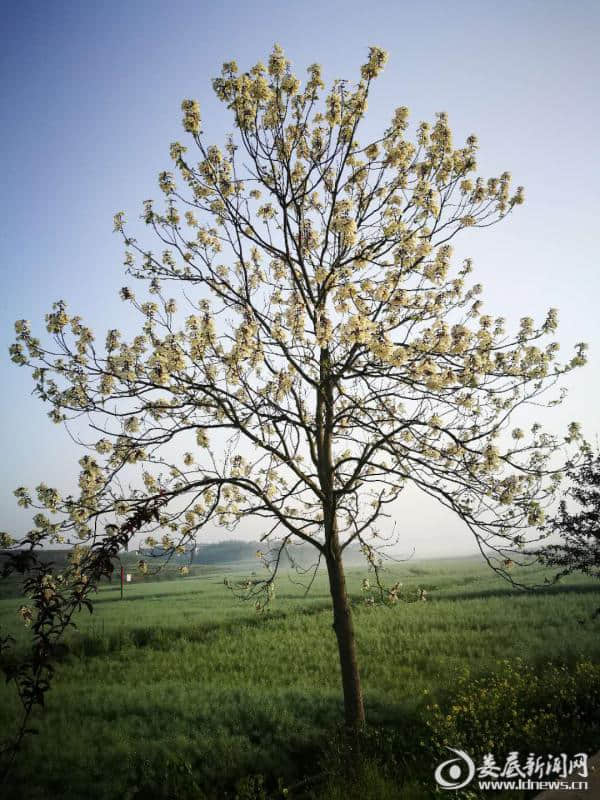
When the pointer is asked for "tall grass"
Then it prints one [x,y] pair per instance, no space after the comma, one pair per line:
[181,673]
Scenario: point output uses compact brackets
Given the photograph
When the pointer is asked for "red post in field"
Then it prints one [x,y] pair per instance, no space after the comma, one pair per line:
[122,580]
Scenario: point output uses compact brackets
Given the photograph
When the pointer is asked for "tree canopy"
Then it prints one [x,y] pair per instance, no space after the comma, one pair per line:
[577,522]
[306,348]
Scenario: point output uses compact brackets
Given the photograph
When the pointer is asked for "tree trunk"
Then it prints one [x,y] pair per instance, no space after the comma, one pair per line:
[342,613]
[344,630]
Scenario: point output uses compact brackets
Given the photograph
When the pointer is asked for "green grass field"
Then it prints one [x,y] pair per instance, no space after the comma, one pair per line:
[180,690]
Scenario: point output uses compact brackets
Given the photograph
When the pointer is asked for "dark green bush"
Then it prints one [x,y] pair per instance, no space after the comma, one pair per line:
[170,779]
[555,709]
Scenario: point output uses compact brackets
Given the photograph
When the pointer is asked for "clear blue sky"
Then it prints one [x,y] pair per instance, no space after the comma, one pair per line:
[90,102]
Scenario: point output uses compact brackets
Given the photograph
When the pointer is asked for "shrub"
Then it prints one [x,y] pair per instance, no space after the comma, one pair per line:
[521,708]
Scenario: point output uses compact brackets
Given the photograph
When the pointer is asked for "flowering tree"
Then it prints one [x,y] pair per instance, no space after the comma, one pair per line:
[326,353]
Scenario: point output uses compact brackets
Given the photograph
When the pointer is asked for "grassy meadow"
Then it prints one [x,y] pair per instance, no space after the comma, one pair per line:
[181,690]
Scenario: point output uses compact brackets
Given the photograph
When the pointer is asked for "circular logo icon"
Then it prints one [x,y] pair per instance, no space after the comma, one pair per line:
[456,772]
